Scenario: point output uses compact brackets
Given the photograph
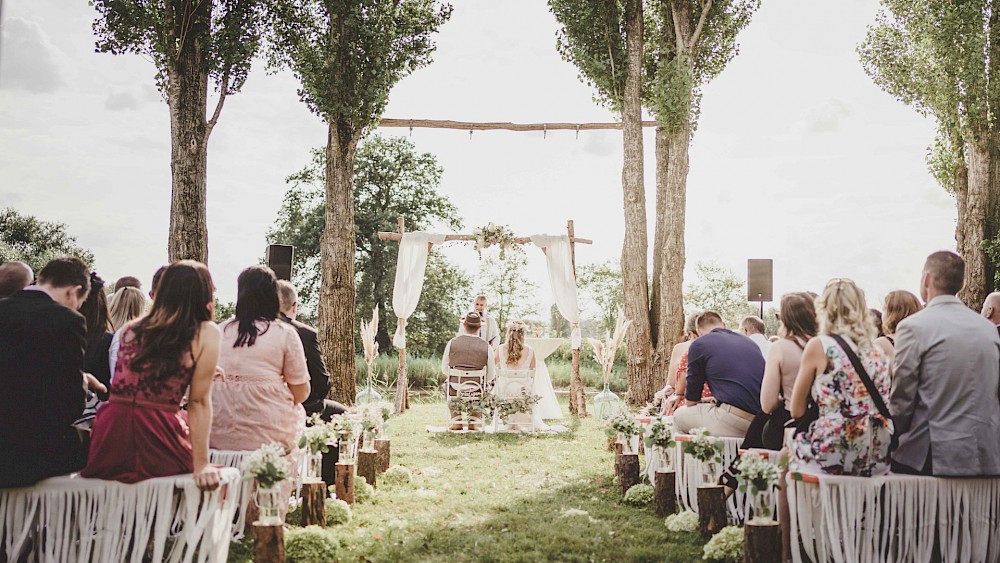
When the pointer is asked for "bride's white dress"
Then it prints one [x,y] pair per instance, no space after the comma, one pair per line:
[547,407]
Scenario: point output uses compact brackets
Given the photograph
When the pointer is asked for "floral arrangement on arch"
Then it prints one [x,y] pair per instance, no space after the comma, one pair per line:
[604,352]
[703,446]
[267,465]
[495,235]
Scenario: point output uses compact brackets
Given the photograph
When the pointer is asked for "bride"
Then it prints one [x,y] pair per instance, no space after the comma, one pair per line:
[514,354]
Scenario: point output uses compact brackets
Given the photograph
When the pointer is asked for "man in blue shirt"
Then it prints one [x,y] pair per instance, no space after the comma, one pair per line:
[732,366]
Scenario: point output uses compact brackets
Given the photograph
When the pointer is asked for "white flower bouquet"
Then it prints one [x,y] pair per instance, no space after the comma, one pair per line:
[703,446]
[267,465]
[686,521]
[756,473]
[726,546]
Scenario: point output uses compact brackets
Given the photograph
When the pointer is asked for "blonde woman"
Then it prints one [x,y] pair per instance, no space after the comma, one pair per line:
[850,436]
[514,353]
[127,303]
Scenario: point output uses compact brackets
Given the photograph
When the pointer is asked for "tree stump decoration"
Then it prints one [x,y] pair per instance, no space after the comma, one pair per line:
[368,466]
[314,504]
[629,471]
[384,449]
[712,513]
[761,542]
[665,493]
[268,544]
[345,482]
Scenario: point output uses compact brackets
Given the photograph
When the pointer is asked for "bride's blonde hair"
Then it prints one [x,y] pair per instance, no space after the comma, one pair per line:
[841,309]
[515,341]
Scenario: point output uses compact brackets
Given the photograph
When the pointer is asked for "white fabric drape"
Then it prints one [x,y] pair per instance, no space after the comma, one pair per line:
[559,258]
[410,267]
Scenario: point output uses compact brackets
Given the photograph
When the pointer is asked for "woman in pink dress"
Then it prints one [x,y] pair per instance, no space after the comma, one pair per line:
[258,400]
[142,432]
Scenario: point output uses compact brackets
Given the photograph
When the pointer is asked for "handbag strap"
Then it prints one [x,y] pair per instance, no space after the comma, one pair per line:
[869,384]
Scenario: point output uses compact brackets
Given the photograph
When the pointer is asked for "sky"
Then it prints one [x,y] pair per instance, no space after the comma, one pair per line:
[798,155]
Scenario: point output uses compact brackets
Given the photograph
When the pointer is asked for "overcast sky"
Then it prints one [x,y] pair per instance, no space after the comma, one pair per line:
[798,156]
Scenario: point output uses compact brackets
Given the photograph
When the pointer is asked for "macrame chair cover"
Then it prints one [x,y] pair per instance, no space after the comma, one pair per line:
[411,264]
[559,259]
[75,519]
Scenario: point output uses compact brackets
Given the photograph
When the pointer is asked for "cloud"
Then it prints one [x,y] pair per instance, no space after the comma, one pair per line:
[118,101]
[28,60]
[827,118]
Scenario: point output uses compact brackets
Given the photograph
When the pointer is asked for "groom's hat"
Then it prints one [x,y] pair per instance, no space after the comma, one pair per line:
[472,320]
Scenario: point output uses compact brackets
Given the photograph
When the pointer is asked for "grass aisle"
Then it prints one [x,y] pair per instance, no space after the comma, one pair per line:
[507,497]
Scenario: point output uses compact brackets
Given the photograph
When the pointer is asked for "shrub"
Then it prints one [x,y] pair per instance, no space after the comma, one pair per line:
[397,475]
[726,546]
[311,544]
[686,521]
[639,495]
[337,512]
[363,492]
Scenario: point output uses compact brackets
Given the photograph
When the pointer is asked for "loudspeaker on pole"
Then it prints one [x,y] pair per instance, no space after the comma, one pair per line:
[760,280]
[279,258]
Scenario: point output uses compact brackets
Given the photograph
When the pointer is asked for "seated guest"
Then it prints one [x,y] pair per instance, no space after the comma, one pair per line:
[127,281]
[467,352]
[142,433]
[850,435]
[945,392]
[14,276]
[733,368]
[155,282]
[258,400]
[677,366]
[991,309]
[319,379]
[753,328]
[42,343]
[95,359]
[898,305]
[798,325]
[126,305]
[514,353]
[876,317]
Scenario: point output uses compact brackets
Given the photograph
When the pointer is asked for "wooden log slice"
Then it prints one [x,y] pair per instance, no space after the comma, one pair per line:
[345,482]
[384,448]
[268,544]
[761,542]
[368,466]
[712,513]
[629,471]
[314,504]
[665,499]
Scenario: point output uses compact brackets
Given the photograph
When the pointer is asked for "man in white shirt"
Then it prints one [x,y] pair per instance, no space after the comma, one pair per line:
[753,328]
[488,330]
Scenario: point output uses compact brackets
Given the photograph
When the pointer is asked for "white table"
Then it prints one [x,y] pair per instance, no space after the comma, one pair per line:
[544,347]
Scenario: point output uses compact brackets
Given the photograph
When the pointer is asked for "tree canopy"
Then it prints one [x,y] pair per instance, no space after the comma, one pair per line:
[33,241]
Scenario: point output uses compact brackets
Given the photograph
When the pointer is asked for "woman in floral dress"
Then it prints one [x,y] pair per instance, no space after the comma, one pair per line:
[849,437]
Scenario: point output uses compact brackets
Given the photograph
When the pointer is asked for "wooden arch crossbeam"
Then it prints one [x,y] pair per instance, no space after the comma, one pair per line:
[501,125]
[577,400]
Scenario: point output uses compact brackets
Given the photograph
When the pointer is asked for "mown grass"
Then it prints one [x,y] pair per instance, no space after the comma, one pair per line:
[507,497]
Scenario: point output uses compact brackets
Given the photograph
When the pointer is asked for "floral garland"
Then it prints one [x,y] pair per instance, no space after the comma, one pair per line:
[660,434]
[703,446]
[489,404]
[499,235]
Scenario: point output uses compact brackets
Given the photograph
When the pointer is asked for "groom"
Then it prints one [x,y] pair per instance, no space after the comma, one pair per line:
[488,330]
[467,352]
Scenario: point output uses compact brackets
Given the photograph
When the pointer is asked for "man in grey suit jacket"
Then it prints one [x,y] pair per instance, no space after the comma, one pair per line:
[945,399]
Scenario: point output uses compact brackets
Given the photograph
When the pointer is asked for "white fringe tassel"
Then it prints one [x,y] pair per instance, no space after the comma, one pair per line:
[75,519]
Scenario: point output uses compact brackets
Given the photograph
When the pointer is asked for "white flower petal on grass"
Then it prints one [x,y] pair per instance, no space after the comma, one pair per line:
[574,512]
[431,471]
[425,493]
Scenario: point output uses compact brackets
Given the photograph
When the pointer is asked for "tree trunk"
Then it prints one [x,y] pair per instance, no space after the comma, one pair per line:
[712,512]
[187,98]
[634,248]
[314,504]
[344,487]
[668,249]
[268,544]
[384,448]
[978,225]
[628,476]
[761,542]
[665,491]
[337,292]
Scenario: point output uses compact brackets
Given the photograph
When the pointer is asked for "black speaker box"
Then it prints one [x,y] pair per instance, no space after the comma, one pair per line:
[760,280]
[279,259]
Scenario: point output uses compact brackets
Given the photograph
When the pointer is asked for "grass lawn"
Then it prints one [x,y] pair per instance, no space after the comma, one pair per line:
[507,497]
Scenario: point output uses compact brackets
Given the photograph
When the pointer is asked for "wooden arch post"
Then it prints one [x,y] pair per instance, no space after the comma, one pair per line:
[577,398]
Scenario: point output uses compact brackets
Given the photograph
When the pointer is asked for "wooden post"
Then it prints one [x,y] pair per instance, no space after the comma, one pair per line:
[268,544]
[629,471]
[712,510]
[314,504]
[402,385]
[345,482]
[368,466]
[761,542]
[577,397]
[384,449]
[665,494]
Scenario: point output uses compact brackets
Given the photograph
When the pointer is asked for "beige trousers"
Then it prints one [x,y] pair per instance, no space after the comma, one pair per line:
[717,420]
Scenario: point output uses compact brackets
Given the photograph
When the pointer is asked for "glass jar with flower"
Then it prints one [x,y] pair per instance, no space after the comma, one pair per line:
[314,442]
[268,466]
[627,431]
[369,330]
[606,402]
[708,450]
[342,428]
[757,475]
[660,439]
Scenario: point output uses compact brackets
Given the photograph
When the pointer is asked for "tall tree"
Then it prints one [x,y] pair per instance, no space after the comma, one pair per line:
[505,282]
[391,179]
[943,58]
[30,240]
[348,55]
[602,284]
[719,289]
[191,42]
[663,55]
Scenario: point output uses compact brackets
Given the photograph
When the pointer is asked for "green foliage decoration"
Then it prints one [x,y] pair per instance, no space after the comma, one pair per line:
[639,495]
[397,475]
[725,546]
[311,544]
[337,512]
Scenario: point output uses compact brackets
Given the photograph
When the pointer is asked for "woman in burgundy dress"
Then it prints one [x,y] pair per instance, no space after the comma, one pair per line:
[142,432]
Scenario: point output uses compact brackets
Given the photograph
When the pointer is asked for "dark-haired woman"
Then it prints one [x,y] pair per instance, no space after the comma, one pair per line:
[142,432]
[95,360]
[258,401]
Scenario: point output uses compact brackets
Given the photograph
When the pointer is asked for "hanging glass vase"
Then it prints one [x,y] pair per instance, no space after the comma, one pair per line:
[666,458]
[709,473]
[630,443]
[761,504]
[346,448]
[314,467]
[368,441]
[368,395]
[605,403]
[269,505]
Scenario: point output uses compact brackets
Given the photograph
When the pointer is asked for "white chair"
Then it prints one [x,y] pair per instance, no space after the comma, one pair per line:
[465,385]
[513,384]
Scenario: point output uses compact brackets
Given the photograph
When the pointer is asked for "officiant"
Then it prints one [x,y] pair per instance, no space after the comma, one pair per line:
[488,329]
